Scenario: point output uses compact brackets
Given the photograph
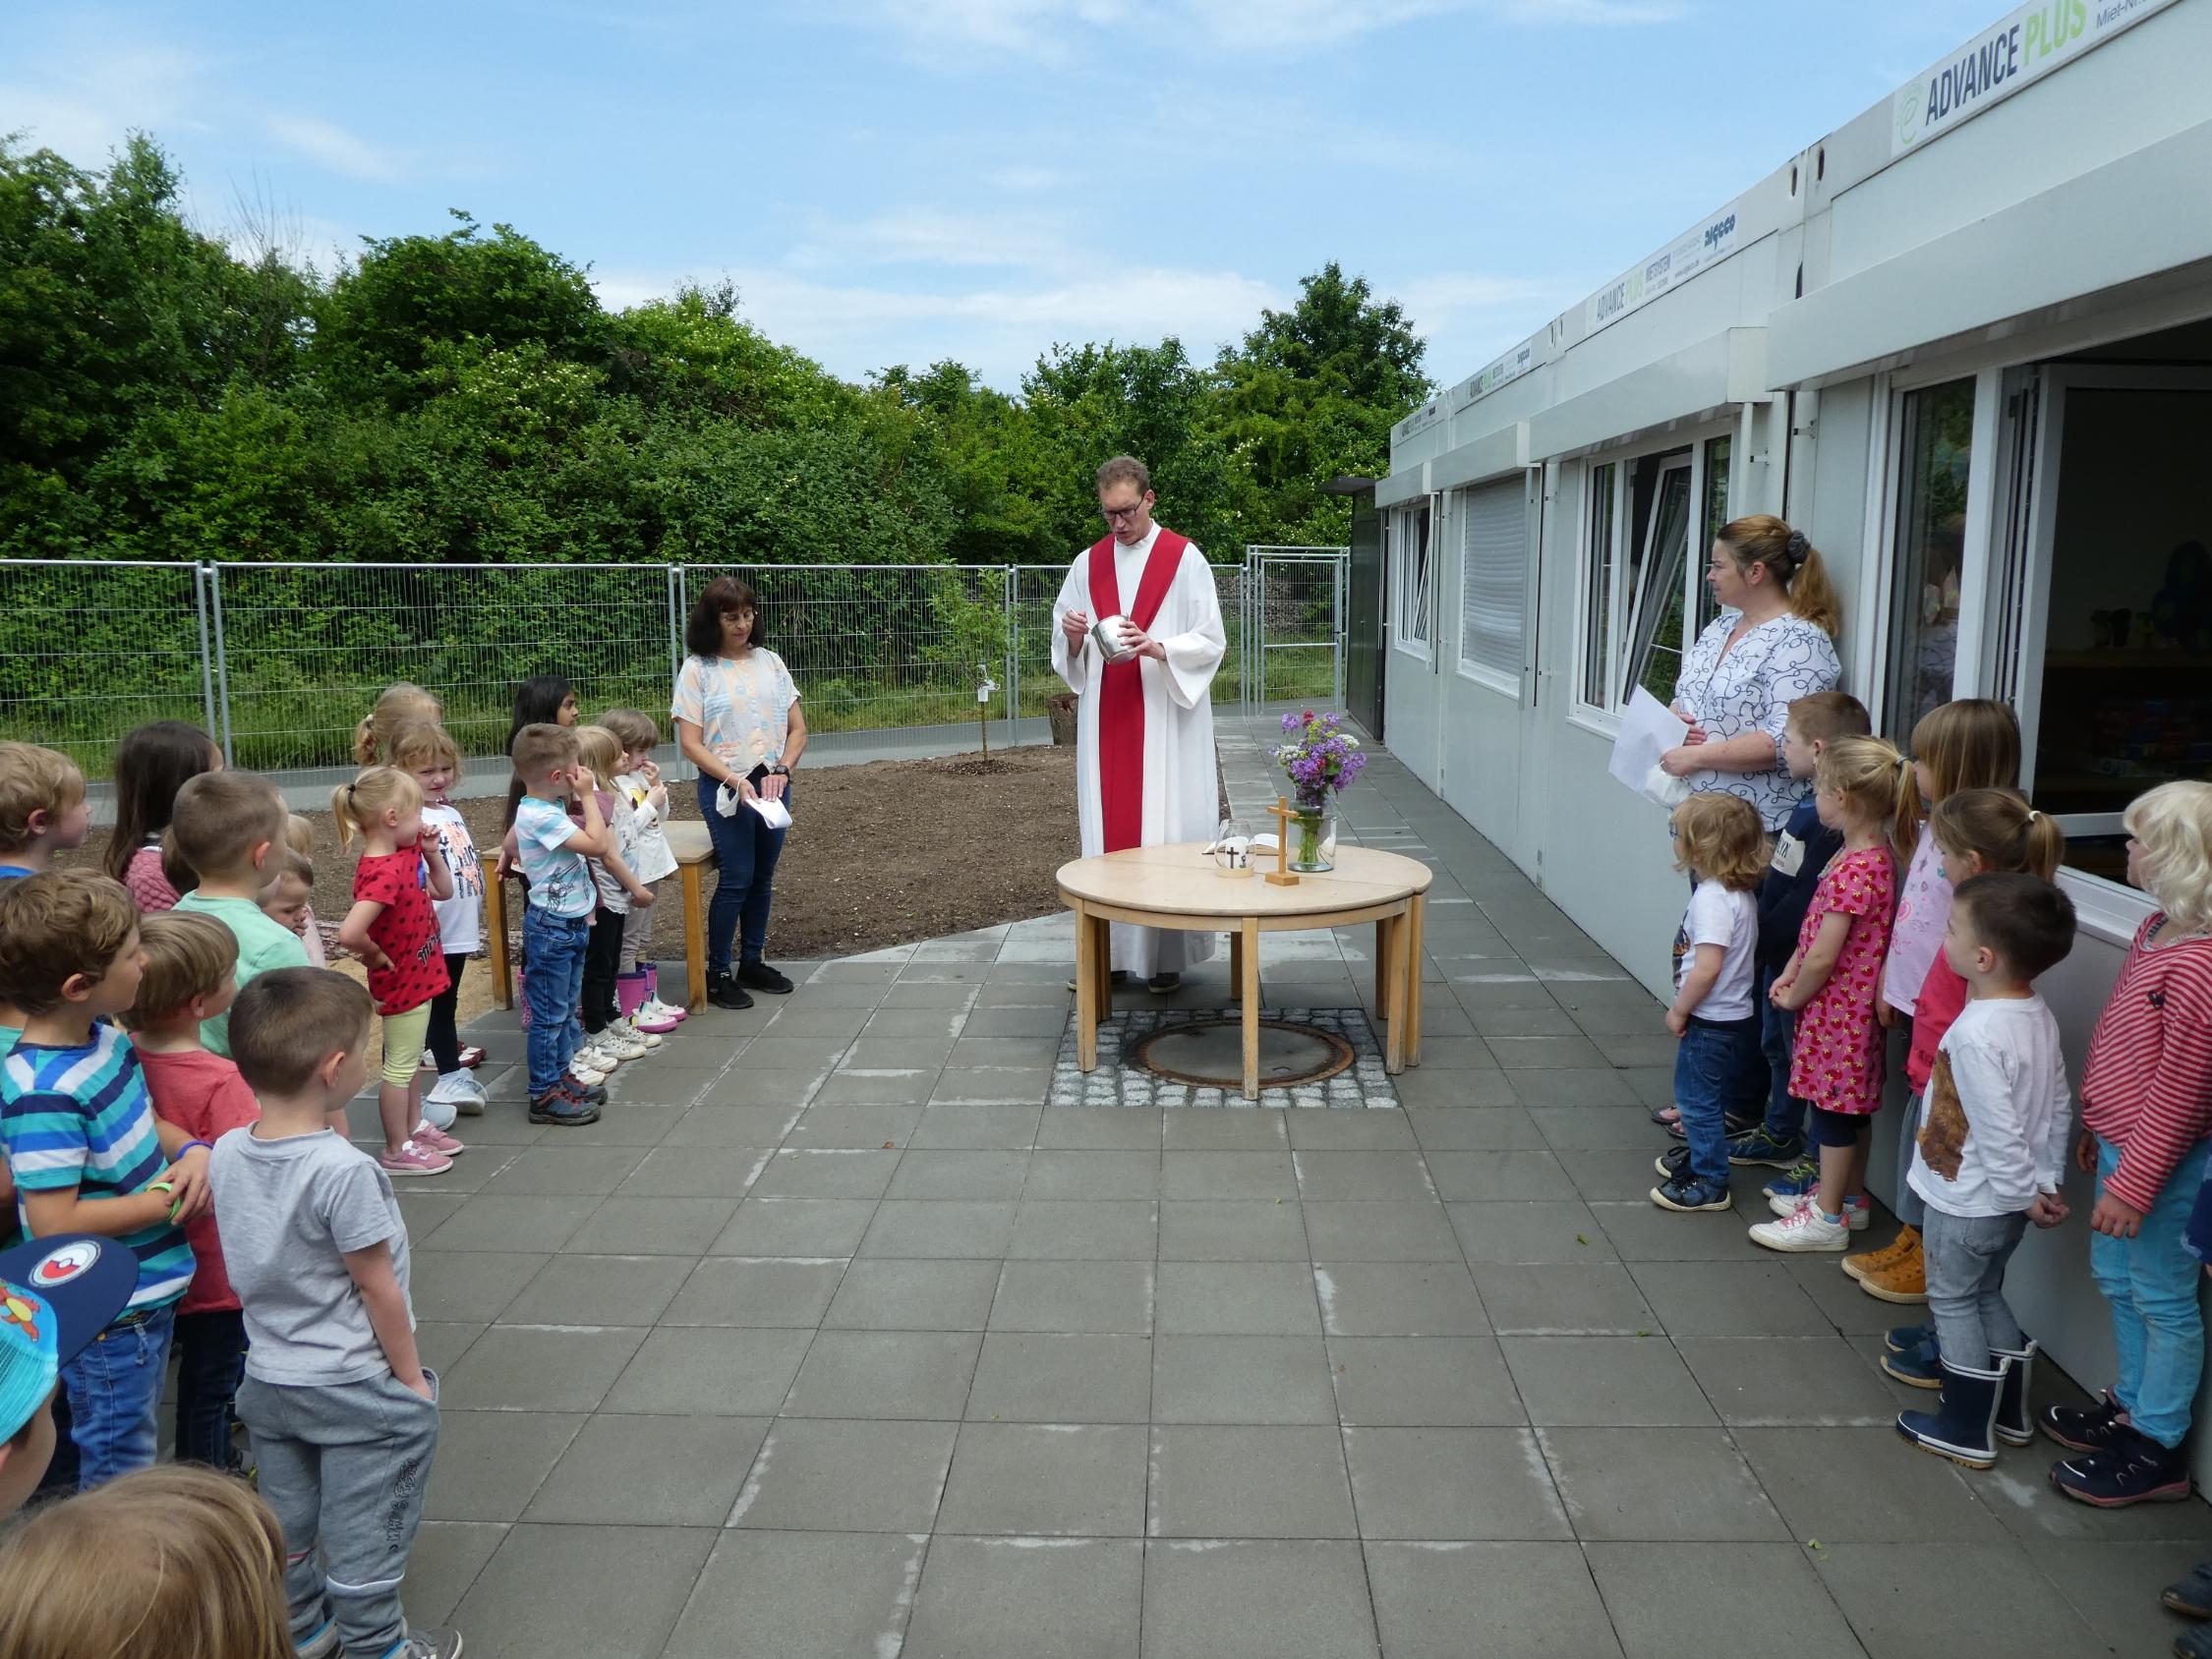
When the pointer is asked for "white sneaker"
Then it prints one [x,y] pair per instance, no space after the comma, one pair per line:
[1859,1214]
[654,1011]
[627,1026]
[459,1090]
[613,1040]
[581,1068]
[1803,1229]
[599,1057]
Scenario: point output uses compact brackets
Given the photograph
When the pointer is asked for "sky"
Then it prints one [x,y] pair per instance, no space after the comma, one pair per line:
[906,181]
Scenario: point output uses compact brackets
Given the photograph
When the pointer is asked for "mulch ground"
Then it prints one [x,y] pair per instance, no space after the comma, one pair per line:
[879,854]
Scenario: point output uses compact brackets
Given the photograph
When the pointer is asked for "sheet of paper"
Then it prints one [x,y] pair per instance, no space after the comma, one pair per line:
[1648,728]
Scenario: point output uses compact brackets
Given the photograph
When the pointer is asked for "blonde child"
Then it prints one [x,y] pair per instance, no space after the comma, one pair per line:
[42,808]
[152,764]
[395,706]
[284,895]
[428,754]
[298,837]
[639,783]
[190,964]
[1719,1072]
[609,1039]
[227,828]
[1973,743]
[1863,789]
[171,1563]
[2146,1108]
[394,931]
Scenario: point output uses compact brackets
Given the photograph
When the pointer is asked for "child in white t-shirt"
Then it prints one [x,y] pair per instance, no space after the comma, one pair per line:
[427,752]
[1719,1068]
[638,782]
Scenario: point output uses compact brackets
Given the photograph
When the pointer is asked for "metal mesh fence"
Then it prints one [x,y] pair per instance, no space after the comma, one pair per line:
[279,662]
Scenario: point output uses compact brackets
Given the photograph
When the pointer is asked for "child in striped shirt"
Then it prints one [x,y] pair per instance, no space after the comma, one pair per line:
[86,1152]
[2146,1109]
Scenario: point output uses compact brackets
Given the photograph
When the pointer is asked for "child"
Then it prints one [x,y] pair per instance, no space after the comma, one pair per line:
[431,757]
[189,961]
[342,1416]
[86,1149]
[2146,1107]
[225,827]
[398,706]
[1989,1158]
[541,700]
[639,779]
[1718,1071]
[1973,743]
[298,837]
[152,764]
[393,930]
[1861,787]
[284,899]
[82,1286]
[171,1563]
[1801,852]
[610,1038]
[42,808]
[557,921]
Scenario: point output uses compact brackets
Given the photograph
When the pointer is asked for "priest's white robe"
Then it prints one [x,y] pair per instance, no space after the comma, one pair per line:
[1181,790]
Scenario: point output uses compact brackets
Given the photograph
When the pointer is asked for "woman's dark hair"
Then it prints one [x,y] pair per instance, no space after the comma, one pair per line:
[702,635]
[536,702]
[152,764]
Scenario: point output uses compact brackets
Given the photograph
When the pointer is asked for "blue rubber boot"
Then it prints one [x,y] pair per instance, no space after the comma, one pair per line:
[1963,1426]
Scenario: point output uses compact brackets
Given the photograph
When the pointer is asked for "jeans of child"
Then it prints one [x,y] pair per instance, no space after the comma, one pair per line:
[2150,1282]
[344,1466]
[1718,1069]
[555,986]
[114,1391]
[746,849]
[1911,1208]
[1966,1257]
[1777,1037]
[602,964]
[444,1036]
[211,1362]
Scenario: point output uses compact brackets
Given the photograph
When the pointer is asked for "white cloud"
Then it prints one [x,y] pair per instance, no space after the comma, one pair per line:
[83,98]
[332,147]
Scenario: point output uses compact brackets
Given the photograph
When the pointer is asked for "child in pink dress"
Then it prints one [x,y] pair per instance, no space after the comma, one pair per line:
[1862,787]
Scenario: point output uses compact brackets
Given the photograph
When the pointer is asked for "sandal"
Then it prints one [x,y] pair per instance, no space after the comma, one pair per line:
[1665,1116]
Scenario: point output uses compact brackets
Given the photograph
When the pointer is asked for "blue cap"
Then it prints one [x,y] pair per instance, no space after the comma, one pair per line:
[57,1295]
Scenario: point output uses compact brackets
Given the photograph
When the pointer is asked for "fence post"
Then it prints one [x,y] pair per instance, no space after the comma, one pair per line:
[222,663]
[1011,580]
[1336,630]
[206,655]
[676,621]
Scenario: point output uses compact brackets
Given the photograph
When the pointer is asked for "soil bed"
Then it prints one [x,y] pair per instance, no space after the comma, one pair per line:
[880,854]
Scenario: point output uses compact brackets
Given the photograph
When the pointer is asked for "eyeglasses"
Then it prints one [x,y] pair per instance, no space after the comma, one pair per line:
[1114,515]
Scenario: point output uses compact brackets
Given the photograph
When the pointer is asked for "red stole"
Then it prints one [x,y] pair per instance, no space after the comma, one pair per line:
[1121,687]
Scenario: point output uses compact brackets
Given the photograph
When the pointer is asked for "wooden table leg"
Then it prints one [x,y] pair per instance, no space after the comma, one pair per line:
[694,937]
[495,927]
[1086,993]
[1416,913]
[1248,952]
[1386,958]
[1394,1037]
[1237,968]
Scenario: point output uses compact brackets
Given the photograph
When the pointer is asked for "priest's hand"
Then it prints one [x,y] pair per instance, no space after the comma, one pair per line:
[1138,643]
[1076,626]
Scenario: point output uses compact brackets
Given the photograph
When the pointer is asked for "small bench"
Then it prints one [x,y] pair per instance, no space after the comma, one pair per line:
[694,853]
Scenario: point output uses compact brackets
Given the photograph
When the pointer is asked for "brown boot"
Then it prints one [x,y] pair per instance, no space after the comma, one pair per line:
[1905,1279]
[1906,1243]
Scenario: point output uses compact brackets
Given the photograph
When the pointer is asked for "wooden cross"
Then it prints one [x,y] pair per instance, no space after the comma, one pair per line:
[1282,813]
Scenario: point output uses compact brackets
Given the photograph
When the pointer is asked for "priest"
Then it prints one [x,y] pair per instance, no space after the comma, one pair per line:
[1144,760]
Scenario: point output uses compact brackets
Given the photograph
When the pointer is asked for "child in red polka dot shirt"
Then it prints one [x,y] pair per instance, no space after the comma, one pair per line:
[392,929]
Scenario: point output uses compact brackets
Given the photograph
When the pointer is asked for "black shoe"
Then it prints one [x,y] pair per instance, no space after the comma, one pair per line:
[2133,1470]
[2084,1431]
[2194,1644]
[558,1106]
[726,992]
[1163,985]
[2192,1596]
[1673,1162]
[759,976]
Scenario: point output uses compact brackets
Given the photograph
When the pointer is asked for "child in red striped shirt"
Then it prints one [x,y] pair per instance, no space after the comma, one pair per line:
[2146,1110]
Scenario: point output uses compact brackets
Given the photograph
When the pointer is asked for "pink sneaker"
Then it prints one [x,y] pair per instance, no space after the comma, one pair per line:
[413,1159]
[434,1139]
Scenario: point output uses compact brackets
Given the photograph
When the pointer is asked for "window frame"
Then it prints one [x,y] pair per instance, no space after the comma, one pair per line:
[1421,645]
[1490,677]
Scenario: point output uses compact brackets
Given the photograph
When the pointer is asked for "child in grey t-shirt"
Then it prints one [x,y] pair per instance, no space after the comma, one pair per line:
[342,1414]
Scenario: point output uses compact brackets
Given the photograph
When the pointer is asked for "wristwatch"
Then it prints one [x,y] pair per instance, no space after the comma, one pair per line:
[778,771]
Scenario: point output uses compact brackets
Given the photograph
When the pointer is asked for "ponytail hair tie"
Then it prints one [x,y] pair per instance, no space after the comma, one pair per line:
[1798,546]
[2034,817]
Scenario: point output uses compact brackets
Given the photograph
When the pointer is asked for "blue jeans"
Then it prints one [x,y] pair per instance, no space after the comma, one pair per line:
[746,849]
[1777,1037]
[1911,1208]
[553,948]
[114,1389]
[1718,1071]
[211,1362]
[2150,1283]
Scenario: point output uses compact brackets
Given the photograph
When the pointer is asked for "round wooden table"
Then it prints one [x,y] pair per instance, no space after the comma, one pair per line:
[1177,886]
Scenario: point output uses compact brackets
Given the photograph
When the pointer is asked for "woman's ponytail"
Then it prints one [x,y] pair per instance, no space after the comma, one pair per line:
[1812,597]
[1793,561]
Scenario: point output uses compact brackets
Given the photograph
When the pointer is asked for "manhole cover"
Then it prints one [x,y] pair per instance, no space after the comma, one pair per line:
[1210,1053]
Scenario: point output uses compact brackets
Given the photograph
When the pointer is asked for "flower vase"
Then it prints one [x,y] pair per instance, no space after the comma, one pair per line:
[1314,845]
